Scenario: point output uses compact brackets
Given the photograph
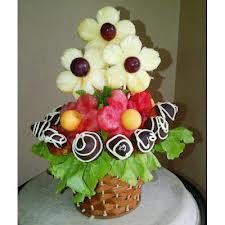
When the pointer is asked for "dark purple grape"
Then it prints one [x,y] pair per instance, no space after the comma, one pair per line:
[108,31]
[132,64]
[80,67]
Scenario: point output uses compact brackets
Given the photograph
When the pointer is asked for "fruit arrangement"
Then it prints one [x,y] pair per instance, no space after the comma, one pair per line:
[112,128]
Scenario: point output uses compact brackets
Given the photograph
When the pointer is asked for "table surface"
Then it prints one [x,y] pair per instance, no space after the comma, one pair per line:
[165,201]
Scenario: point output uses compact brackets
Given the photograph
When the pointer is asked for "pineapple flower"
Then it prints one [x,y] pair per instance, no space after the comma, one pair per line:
[83,72]
[129,63]
[107,29]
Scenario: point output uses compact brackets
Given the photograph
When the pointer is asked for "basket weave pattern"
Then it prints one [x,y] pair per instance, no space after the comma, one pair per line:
[113,198]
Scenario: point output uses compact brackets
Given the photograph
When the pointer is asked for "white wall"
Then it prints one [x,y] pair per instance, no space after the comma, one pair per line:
[46,29]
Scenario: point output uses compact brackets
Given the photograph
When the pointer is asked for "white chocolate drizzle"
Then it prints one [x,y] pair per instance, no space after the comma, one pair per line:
[151,140]
[164,113]
[55,138]
[43,132]
[121,147]
[77,151]
[39,128]
[161,125]
[54,115]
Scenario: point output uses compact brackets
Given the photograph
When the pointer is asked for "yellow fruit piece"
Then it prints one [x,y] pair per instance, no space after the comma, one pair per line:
[131,119]
[70,120]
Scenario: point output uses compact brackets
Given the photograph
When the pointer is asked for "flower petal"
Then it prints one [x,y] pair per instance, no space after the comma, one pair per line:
[69,55]
[112,54]
[88,29]
[131,45]
[97,43]
[87,86]
[84,84]
[66,81]
[108,14]
[97,78]
[125,28]
[94,57]
[149,59]
[137,82]
[116,76]
[76,88]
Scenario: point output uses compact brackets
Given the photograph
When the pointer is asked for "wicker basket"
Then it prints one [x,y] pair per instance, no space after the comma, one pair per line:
[113,198]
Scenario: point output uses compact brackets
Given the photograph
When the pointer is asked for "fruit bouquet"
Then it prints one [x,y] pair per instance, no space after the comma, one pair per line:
[102,144]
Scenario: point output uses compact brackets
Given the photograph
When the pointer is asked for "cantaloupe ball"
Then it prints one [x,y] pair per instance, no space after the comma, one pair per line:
[70,120]
[131,119]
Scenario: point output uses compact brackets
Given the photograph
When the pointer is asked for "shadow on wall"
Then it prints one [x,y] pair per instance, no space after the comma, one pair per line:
[190,148]
[155,85]
[166,61]
[165,56]
[179,122]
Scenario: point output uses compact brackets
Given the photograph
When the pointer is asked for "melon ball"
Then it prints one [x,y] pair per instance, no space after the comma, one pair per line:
[131,119]
[70,120]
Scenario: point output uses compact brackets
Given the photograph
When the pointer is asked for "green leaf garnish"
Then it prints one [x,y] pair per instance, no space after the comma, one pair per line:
[82,178]
[137,165]
[103,96]
[41,150]
[174,145]
[125,91]
[81,92]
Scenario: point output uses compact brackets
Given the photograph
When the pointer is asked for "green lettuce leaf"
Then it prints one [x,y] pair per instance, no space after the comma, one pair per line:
[152,162]
[96,170]
[141,162]
[60,187]
[175,143]
[82,178]
[183,134]
[137,165]
[79,197]
[130,173]
[41,149]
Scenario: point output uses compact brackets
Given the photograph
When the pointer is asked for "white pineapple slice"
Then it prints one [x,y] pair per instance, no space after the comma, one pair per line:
[113,54]
[138,82]
[69,55]
[149,58]
[94,57]
[88,29]
[97,78]
[116,76]
[87,86]
[66,81]
[108,14]
[131,45]
[124,28]
[97,43]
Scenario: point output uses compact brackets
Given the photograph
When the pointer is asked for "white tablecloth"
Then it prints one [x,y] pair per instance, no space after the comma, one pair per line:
[164,201]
